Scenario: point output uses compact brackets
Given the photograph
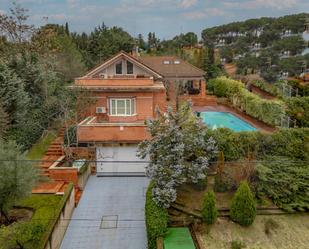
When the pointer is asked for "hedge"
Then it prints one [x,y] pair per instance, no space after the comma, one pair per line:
[268,111]
[156,219]
[34,234]
[293,143]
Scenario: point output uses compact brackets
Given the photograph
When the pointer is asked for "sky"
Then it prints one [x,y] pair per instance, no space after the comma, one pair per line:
[166,18]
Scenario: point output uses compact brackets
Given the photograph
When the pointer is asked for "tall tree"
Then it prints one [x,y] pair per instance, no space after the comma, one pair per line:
[178,153]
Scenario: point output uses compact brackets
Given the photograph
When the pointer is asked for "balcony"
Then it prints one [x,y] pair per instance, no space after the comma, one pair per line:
[92,130]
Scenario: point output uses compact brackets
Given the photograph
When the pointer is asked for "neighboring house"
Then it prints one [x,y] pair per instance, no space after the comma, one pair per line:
[127,90]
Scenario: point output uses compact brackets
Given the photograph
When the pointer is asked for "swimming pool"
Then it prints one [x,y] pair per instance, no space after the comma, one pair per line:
[216,120]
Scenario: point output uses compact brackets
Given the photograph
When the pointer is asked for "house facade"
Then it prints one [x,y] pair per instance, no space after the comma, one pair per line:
[126,91]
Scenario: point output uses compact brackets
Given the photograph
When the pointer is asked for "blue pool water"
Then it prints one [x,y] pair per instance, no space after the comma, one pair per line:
[225,119]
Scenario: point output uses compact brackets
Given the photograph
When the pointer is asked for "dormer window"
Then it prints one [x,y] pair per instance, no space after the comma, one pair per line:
[129,67]
[119,68]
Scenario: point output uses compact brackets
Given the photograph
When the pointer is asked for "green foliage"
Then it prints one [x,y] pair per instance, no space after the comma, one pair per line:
[284,142]
[243,207]
[4,121]
[298,108]
[32,234]
[237,244]
[156,219]
[209,211]
[239,37]
[178,152]
[38,149]
[17,176]
[286,181]
[268,111]
[102,43]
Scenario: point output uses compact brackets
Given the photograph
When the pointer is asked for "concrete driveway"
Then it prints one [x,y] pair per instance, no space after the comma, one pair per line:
[110,215]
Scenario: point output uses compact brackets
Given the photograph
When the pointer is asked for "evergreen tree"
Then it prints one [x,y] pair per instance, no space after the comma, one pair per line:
[209,211]
[243,207]
[178,152]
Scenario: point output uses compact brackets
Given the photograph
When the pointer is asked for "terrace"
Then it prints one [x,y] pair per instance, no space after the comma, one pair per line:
[92,129]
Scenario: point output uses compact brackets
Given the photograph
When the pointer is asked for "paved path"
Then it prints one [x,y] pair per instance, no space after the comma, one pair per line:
[112,198]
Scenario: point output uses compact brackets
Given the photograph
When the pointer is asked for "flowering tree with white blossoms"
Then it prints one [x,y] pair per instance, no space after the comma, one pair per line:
[178,152]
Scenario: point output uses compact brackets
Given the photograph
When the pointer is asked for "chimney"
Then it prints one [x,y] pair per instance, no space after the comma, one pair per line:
[135,52]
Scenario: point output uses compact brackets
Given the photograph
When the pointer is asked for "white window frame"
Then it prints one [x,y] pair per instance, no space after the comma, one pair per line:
[132,101]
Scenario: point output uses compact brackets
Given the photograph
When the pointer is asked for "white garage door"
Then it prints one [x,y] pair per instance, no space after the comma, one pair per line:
[119,161]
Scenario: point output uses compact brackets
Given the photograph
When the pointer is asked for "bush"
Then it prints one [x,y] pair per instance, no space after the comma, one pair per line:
[209,211]
[243,209]
[286,181]
[298,109]
[156,219]
[268,111]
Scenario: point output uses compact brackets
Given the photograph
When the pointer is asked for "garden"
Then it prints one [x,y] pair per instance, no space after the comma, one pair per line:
[233,189]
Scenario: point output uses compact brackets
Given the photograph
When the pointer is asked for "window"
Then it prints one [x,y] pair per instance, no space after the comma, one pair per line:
[166,62]
[177,62]
[129,67]
[119,68]
[122,107]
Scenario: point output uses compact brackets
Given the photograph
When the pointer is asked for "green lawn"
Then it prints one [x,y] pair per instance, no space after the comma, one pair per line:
[267,232]
[38,150]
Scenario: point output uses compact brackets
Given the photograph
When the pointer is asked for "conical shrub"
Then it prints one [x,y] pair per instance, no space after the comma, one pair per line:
[209,211]
[243,208]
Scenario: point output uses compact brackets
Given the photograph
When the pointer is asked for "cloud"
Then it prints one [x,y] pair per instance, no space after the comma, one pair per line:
[73,3]
[258,4]
[209,12]
[187,3]
[2,12]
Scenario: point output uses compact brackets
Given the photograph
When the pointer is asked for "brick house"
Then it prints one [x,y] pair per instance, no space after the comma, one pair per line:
[127,90]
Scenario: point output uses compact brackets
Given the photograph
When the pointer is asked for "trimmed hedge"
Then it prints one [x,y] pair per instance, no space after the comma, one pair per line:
[209,211]
[268,111]
[293,143]
[156,219]
[243,207]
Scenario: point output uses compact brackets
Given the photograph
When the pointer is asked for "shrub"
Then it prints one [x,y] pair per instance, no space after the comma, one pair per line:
[237,244]
[285,181]
[209,211]
[156,219]
[268,111]
[298,108]
[243,209]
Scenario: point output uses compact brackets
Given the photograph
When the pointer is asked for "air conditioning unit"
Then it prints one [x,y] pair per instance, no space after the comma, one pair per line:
[103,75]
[101,109]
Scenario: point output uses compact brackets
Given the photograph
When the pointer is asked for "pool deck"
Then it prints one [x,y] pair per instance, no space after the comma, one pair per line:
[223,108]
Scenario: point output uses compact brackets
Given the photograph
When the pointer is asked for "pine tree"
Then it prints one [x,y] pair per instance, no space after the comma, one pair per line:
[243,208]
[209,211]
